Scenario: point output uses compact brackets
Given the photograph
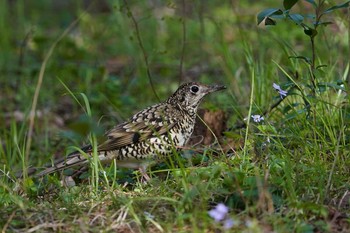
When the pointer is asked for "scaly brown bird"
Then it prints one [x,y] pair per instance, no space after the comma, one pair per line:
[148,136]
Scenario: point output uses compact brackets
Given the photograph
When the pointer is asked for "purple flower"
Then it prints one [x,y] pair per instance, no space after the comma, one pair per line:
[282,93]
[228,223]
[257,118]
[219,212]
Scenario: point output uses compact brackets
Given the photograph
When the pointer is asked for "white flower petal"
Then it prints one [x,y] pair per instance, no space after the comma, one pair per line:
[257,118]
[277,87]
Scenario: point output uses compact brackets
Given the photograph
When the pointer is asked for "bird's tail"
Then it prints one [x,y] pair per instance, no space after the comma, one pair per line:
[76,159]
[73,160]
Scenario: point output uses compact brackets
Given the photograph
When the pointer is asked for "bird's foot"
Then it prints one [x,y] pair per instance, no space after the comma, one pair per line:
[145,178]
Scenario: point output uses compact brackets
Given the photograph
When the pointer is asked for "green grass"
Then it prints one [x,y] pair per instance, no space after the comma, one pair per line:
[288,173]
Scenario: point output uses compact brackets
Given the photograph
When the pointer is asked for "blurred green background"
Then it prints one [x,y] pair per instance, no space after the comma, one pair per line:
[101,56]
[104,56]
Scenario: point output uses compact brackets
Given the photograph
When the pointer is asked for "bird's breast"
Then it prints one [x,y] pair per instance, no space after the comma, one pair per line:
[182,132]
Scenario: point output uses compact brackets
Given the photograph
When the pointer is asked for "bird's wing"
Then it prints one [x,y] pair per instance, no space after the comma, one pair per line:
[151,122]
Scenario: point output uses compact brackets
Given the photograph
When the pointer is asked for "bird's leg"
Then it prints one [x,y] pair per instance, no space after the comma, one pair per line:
[145,177]
[67,181]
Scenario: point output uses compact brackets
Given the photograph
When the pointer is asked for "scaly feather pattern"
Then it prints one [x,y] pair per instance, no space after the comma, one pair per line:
[148,136]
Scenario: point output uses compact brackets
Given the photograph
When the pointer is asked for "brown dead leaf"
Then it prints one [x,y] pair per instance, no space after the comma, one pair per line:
[215,122]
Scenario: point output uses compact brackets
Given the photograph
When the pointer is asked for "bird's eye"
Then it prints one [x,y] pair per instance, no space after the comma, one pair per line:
[194,89]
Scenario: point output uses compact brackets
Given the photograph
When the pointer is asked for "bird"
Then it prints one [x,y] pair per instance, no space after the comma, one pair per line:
[148,136]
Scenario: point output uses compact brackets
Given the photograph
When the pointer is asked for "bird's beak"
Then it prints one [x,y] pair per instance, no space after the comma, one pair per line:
[216,88]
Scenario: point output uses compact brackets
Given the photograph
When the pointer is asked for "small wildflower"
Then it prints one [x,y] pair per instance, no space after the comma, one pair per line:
[249,223]
[228,223]
[219,212]
[148,215]
[257,118]
[282,93]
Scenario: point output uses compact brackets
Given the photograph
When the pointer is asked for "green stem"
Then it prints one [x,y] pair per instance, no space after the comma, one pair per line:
[313,59]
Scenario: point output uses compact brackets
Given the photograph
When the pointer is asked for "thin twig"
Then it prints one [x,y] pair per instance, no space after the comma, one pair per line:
[8,222]
[37,91]
[342,199]
[139,40]
[45,225]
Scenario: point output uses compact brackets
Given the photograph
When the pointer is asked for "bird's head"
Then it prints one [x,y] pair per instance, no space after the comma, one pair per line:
[189,95]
